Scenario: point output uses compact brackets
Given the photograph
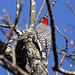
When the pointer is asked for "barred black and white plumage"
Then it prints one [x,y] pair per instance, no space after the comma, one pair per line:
[44,37]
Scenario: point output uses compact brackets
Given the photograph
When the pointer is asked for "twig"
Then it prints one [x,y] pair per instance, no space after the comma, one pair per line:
[21,6]
[13,52]
[17,14]
[13,68]
[4,21]
[18,11]
[28,69]
[25,23]
[51,6]
[4,33]
[53,34]
[48,53]
[66,46]
[63,53]
[40,11]
[7,17]
[7,72]
[70,67]
[6,26]
[13,48]
[56,72]
[66,72]
[70,60]
[68,57]
[71,7]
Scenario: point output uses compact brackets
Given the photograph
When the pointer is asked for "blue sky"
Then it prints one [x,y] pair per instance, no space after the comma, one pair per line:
[63,17]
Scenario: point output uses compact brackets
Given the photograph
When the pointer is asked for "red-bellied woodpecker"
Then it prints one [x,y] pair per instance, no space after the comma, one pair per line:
[44,36]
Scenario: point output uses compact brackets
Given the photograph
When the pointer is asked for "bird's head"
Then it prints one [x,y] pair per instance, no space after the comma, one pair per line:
[44,20]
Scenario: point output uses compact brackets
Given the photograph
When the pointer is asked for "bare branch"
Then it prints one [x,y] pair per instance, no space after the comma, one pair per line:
[6,26]
[6,16]
[60,52]
[70,58]
[48,53]
[25,23]
[66,46]
[66,72]
[13,68]
[13,52]
[71,7]
[17,14]
[53,34]
[40,11]
[8,72]
[21,6]
[2,31]
[5,33]
[56,72]
[51,6]
[18,11]
[32,14]
[4,21]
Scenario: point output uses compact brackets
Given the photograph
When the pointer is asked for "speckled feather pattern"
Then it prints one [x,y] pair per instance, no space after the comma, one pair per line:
[45,36]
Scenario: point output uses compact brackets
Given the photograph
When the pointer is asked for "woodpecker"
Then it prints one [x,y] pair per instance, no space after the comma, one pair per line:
[44,36]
